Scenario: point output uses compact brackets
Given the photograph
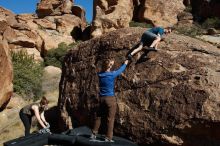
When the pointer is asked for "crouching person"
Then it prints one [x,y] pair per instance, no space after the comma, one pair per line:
[34,109]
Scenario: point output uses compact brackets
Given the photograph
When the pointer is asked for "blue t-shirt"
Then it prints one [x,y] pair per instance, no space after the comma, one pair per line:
[107,81]
[157,30]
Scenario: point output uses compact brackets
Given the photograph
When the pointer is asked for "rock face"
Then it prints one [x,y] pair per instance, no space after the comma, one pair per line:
[109,15]
[185,19]
[171,95]
[6,86]
[80,12]
[54,7]
[11,126]
[159,12]
[35,35]
[38,35]
[50,83]
[206,8]
[187,2]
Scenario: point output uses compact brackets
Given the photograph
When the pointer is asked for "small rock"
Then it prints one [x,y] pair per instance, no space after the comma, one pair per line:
[212,31]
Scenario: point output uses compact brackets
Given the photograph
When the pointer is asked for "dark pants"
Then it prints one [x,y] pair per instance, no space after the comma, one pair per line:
[107,108]
[147,38]
[26,119]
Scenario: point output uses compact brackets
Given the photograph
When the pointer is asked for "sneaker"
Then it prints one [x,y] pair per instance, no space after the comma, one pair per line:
[129,57]
[93,136]
[109,140]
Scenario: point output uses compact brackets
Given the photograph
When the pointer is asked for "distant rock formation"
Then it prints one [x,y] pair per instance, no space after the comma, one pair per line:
[185,19]
[110,15]
[159,12]
[171,95]
[54,7]
[38,35]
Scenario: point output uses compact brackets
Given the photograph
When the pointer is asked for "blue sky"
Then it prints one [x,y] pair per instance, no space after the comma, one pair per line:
[29,6]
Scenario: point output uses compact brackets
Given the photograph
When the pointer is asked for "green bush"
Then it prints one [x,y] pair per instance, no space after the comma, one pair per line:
[27,75]
[211,22]
[139,24]
[54,57]
[189,31]
[188,9]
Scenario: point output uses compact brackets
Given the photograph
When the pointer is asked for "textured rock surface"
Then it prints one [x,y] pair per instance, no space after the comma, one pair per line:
[6,87]
[214,39]
[80,12]
[50,84]
[159,12]
[54,7]
[185,19]
[187,2]
[171,95]
[38,35]
[11,126]
[35,35]
[109,15]
[206,8]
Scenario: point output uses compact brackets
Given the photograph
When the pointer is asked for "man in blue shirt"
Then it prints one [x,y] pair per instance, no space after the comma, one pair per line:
[107,105]
[151,38]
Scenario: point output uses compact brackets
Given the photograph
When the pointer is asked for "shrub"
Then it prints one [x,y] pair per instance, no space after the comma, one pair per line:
[54,57]
[188,9]
[140,24]
[27,75]
[211,22]
[189,31]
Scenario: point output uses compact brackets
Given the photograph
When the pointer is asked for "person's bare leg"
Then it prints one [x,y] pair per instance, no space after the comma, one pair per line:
[156,45]
[137,50]
[155,42]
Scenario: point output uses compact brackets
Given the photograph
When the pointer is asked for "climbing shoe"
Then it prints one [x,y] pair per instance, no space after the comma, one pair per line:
[93,136]
[129,57]
[151,49]
[109,140]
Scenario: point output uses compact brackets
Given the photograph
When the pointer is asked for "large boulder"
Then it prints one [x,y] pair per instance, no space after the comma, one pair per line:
[11,126]
[52,30]
[171,95]
[19,35]
[66,23]
[111,15]
[187,2]
[206,8]
[50,83]
[159,12]
[7,18]
[38,35]
[54,7]
[80,12]
[6,86]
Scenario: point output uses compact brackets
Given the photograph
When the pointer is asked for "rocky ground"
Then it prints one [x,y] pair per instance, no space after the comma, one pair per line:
[11,126]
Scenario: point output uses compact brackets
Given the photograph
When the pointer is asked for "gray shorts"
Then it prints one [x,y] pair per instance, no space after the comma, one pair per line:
[147,38]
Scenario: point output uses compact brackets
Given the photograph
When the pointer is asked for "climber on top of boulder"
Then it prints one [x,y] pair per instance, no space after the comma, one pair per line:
[151,38]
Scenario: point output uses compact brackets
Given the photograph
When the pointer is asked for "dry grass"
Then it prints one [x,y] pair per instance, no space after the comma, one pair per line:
[12,132]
